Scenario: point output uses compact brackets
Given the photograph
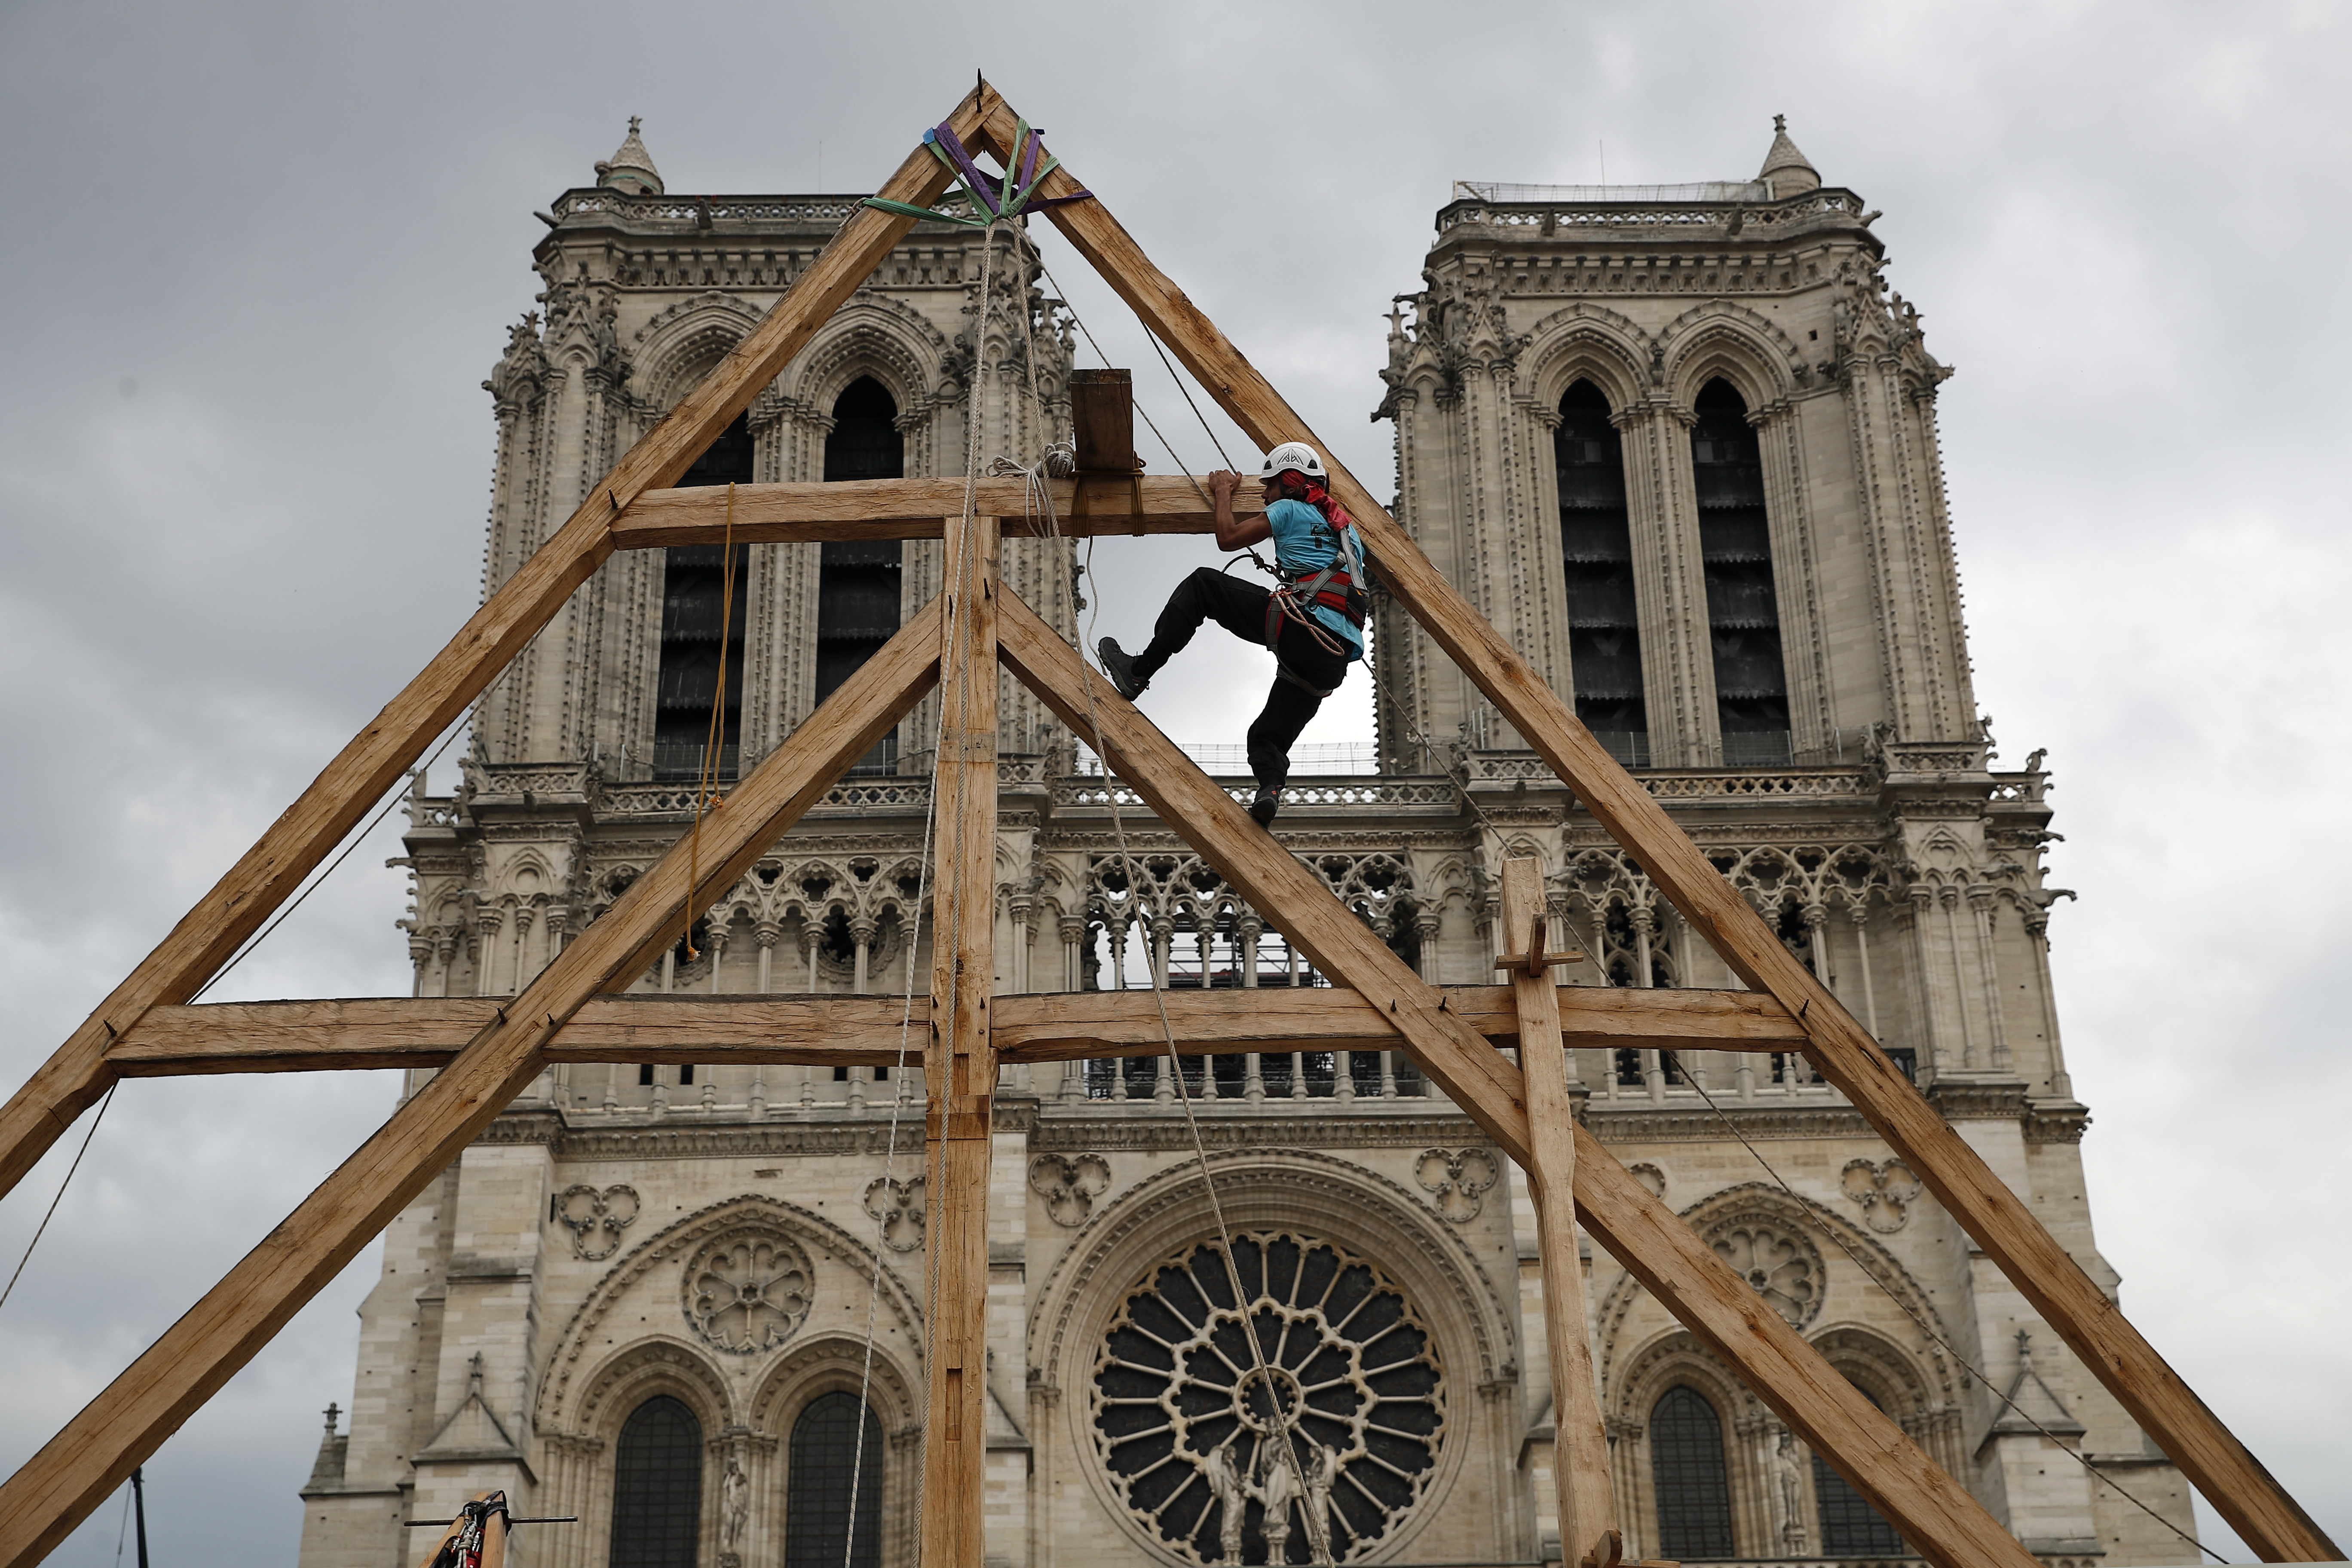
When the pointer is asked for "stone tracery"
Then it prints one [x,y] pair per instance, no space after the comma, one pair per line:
[1189,1427]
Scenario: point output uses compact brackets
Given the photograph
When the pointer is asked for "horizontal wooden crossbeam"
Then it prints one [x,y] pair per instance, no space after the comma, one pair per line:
[913,509]
[863,1031]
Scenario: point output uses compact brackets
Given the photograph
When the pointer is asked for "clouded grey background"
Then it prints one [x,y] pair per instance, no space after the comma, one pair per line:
[257,258]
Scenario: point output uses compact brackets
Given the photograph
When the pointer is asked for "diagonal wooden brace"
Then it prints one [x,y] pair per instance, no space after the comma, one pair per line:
[268,874]
[58,1487]
[2192,1434]
[1932,1509]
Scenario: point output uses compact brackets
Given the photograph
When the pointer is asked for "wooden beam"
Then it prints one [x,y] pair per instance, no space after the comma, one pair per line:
[960,1064]
[863,1031]
[268,874]
[908,509]
[124,1426]
[2069,1301]
[1933,1510]
[1579,1454]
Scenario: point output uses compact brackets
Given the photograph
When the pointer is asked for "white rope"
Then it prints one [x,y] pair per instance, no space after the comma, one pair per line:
[1318,1530]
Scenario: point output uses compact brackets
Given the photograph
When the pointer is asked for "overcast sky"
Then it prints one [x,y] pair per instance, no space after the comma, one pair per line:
[260,257]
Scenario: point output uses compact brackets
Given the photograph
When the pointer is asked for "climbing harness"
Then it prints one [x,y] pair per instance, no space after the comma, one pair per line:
[462,1547]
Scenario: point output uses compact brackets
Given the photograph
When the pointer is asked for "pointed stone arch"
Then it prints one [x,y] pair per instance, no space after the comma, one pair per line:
[564,1388]
[677,348]
[1729,340]
[1587,342]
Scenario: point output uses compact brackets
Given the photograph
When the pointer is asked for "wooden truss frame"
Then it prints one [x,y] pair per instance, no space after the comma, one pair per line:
[489,1050]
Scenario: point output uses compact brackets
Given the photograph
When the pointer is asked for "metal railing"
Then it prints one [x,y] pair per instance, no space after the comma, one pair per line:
[1613,196]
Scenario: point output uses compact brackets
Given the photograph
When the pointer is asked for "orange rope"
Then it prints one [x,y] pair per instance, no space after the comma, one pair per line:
[706,783]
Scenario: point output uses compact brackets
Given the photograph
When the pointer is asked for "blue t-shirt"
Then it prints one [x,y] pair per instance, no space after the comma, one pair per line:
[1303,542]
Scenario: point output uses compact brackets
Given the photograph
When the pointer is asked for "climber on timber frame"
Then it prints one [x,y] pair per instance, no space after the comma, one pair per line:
[1313,621]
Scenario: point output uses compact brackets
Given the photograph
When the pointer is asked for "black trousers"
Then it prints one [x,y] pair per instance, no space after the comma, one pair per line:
[1240,607]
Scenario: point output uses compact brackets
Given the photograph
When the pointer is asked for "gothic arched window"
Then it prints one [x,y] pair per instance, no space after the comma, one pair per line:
[857,580]
[1596,542]
[817,1509]
[697,620]
[657,1487]
[1850,1526]
[1693,1489]
[1743,613]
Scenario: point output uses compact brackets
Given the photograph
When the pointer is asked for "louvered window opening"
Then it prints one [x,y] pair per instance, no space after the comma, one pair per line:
[817,1502]
[1751,682]
[1596,546]
[1693,1489]
[696,623]
[657,1487]
[1850,1526]
[857,590]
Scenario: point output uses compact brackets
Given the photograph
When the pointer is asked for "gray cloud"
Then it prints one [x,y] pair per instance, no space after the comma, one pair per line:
[259,256]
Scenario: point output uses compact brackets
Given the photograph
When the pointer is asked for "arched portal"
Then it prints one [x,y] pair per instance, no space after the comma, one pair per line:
[1743,613]
[857,580]
[658,1486]
[1596,546]
[828,1463]
[1694,1487]
[698,623]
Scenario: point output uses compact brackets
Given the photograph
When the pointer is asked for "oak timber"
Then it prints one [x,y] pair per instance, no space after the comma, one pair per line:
[959,1063]
[910,508]
[1580,1458]
[79,1467]
[269,873]
[863,1031]
[1841,1049]
[1933,1510]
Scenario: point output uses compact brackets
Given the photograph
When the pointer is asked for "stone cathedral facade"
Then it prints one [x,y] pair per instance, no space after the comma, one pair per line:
[1680,444]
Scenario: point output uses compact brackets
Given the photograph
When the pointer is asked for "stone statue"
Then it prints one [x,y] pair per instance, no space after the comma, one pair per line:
[1226,1485]
[1322,1475]
[1787,1475]
[1276,1489]
[734,1505]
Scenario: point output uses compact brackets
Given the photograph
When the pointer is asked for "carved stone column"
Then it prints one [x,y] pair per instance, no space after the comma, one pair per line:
[714,944]
[1980,904]
[767,933]
[1669,585]
[2037,939]
[487,920]
[1796,578]
[862,932]
[1944,1051]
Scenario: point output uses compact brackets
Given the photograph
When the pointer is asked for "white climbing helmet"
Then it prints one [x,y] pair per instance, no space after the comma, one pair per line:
[1296,455]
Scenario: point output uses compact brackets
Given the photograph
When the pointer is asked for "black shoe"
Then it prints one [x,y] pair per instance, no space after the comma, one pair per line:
[1120,667]
[1269,802]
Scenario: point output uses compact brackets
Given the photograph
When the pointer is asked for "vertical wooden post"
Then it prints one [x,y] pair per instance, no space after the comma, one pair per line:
[959,1063]
[1588,1510]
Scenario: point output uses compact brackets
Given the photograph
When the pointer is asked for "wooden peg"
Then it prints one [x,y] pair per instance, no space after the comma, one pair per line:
[1537,963]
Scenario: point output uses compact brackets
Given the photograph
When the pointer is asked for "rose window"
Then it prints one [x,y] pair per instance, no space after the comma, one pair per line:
[748,1292]
[1783,1271]
[1194,1436]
